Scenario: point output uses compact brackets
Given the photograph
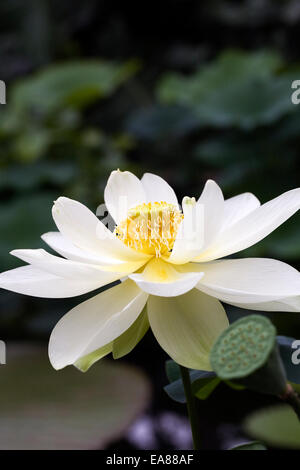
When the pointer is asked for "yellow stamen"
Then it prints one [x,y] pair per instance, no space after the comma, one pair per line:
[150,228]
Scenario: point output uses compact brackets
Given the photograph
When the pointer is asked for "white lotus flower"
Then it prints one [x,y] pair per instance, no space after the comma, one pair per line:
[163,263]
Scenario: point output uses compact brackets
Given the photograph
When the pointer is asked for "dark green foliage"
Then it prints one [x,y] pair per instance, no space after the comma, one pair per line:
[277,426]
[200,380]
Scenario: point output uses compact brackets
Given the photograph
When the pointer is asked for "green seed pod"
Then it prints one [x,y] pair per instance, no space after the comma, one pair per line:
[247,353]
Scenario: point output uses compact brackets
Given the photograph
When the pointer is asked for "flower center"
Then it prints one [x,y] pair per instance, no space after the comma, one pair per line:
[150,228]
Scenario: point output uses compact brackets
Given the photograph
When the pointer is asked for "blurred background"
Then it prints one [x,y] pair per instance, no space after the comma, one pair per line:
[186,89]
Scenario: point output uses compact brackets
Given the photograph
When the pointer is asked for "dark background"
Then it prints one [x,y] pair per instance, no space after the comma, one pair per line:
[186,89]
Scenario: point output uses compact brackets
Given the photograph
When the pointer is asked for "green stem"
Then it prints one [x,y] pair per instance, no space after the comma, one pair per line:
[191,407]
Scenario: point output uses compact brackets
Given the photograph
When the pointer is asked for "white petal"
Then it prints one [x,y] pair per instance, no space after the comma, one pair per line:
[157,189]
[290,304]
[160,278]
[58,242]
[65,268]
[95,323]
[190,237]
[249,280]
[212,201]
[79,225]
[123,191]
[238,207]
[32,281]
[254,227]
[65,248]
[201,224]
[187,326]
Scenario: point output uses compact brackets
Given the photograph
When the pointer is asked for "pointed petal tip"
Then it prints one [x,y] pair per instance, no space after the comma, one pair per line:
[56,364]
[55,359]
[157,189]
[62,200]
[45,236]
[123,190]
[119,172]
[211,182]
[59,199]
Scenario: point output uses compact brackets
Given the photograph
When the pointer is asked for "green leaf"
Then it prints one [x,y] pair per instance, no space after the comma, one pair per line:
[247,105]
[203,388]
[276,426]
[85,362]
[231,64]
[125,343]
[175,389]
[255,445]
[172,370]
[237,89]
[46,409]
[74,84]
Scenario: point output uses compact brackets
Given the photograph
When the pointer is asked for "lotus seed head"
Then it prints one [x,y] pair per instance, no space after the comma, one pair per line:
[254,338]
